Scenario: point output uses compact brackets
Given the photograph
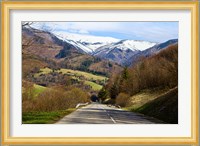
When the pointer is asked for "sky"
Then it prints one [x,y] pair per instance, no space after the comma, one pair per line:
[147,31]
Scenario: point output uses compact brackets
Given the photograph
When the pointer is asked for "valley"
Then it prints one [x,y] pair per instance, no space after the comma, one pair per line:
[62,70]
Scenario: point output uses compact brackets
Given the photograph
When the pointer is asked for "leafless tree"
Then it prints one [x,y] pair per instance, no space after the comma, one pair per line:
[27,24]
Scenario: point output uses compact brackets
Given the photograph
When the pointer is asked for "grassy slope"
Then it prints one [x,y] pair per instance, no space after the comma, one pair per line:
[164,107]
[45,70]
[38,89]
[145,96]
[71,72]
[88,76]
[44,117]
[75,74]
[94,86]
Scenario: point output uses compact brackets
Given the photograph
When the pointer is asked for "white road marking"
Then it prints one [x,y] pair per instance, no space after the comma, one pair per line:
[113,120]
[108,114]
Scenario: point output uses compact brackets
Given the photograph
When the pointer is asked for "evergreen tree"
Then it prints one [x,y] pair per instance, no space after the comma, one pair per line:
[114,91]
[125,73]
[124,79]
[103,94]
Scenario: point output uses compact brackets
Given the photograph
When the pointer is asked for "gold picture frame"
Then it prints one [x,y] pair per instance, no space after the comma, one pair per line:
[88,5]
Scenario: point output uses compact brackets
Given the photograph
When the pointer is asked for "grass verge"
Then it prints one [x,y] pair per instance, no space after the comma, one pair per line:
[44,117]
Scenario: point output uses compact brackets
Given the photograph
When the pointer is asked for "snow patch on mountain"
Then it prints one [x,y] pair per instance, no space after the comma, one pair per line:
[132,45]
[135,45]
[77,45]
[104,46]
[90,43]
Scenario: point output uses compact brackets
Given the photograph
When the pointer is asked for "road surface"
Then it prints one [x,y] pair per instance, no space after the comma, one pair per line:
[97,113]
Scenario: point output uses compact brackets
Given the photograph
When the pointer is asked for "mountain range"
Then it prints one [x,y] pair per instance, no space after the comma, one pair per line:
[69,49]
[123,52]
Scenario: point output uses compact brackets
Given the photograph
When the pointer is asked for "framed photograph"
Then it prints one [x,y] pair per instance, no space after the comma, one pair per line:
[100,72]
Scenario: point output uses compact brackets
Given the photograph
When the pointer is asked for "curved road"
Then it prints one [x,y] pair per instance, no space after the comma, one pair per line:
[97,113]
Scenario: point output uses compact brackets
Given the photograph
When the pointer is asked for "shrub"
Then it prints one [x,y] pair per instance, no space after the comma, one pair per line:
[76,96]
[28,90]
[123,99]
[54,99]
[51,100]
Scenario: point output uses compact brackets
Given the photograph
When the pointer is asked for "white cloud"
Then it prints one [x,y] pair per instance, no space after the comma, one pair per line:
[93,26]
[152,31]
[83,31]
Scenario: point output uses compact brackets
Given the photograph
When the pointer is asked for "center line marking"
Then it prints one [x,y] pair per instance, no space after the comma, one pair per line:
[108,115]
[112,119]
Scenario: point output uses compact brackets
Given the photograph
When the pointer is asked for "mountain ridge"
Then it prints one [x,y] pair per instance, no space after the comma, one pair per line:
[124,52]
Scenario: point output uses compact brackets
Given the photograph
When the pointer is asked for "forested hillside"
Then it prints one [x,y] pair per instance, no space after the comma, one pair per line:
[158,72]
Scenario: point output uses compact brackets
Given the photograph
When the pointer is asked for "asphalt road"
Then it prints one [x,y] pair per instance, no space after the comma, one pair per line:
[97,113]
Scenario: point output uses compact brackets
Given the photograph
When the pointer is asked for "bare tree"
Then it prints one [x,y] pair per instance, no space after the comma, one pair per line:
[29,41]
[27,24]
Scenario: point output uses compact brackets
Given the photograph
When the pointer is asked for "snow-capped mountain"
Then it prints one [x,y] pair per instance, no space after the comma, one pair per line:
[133,45]
[151,51]
[77,45]
[87,43]
[121,51]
